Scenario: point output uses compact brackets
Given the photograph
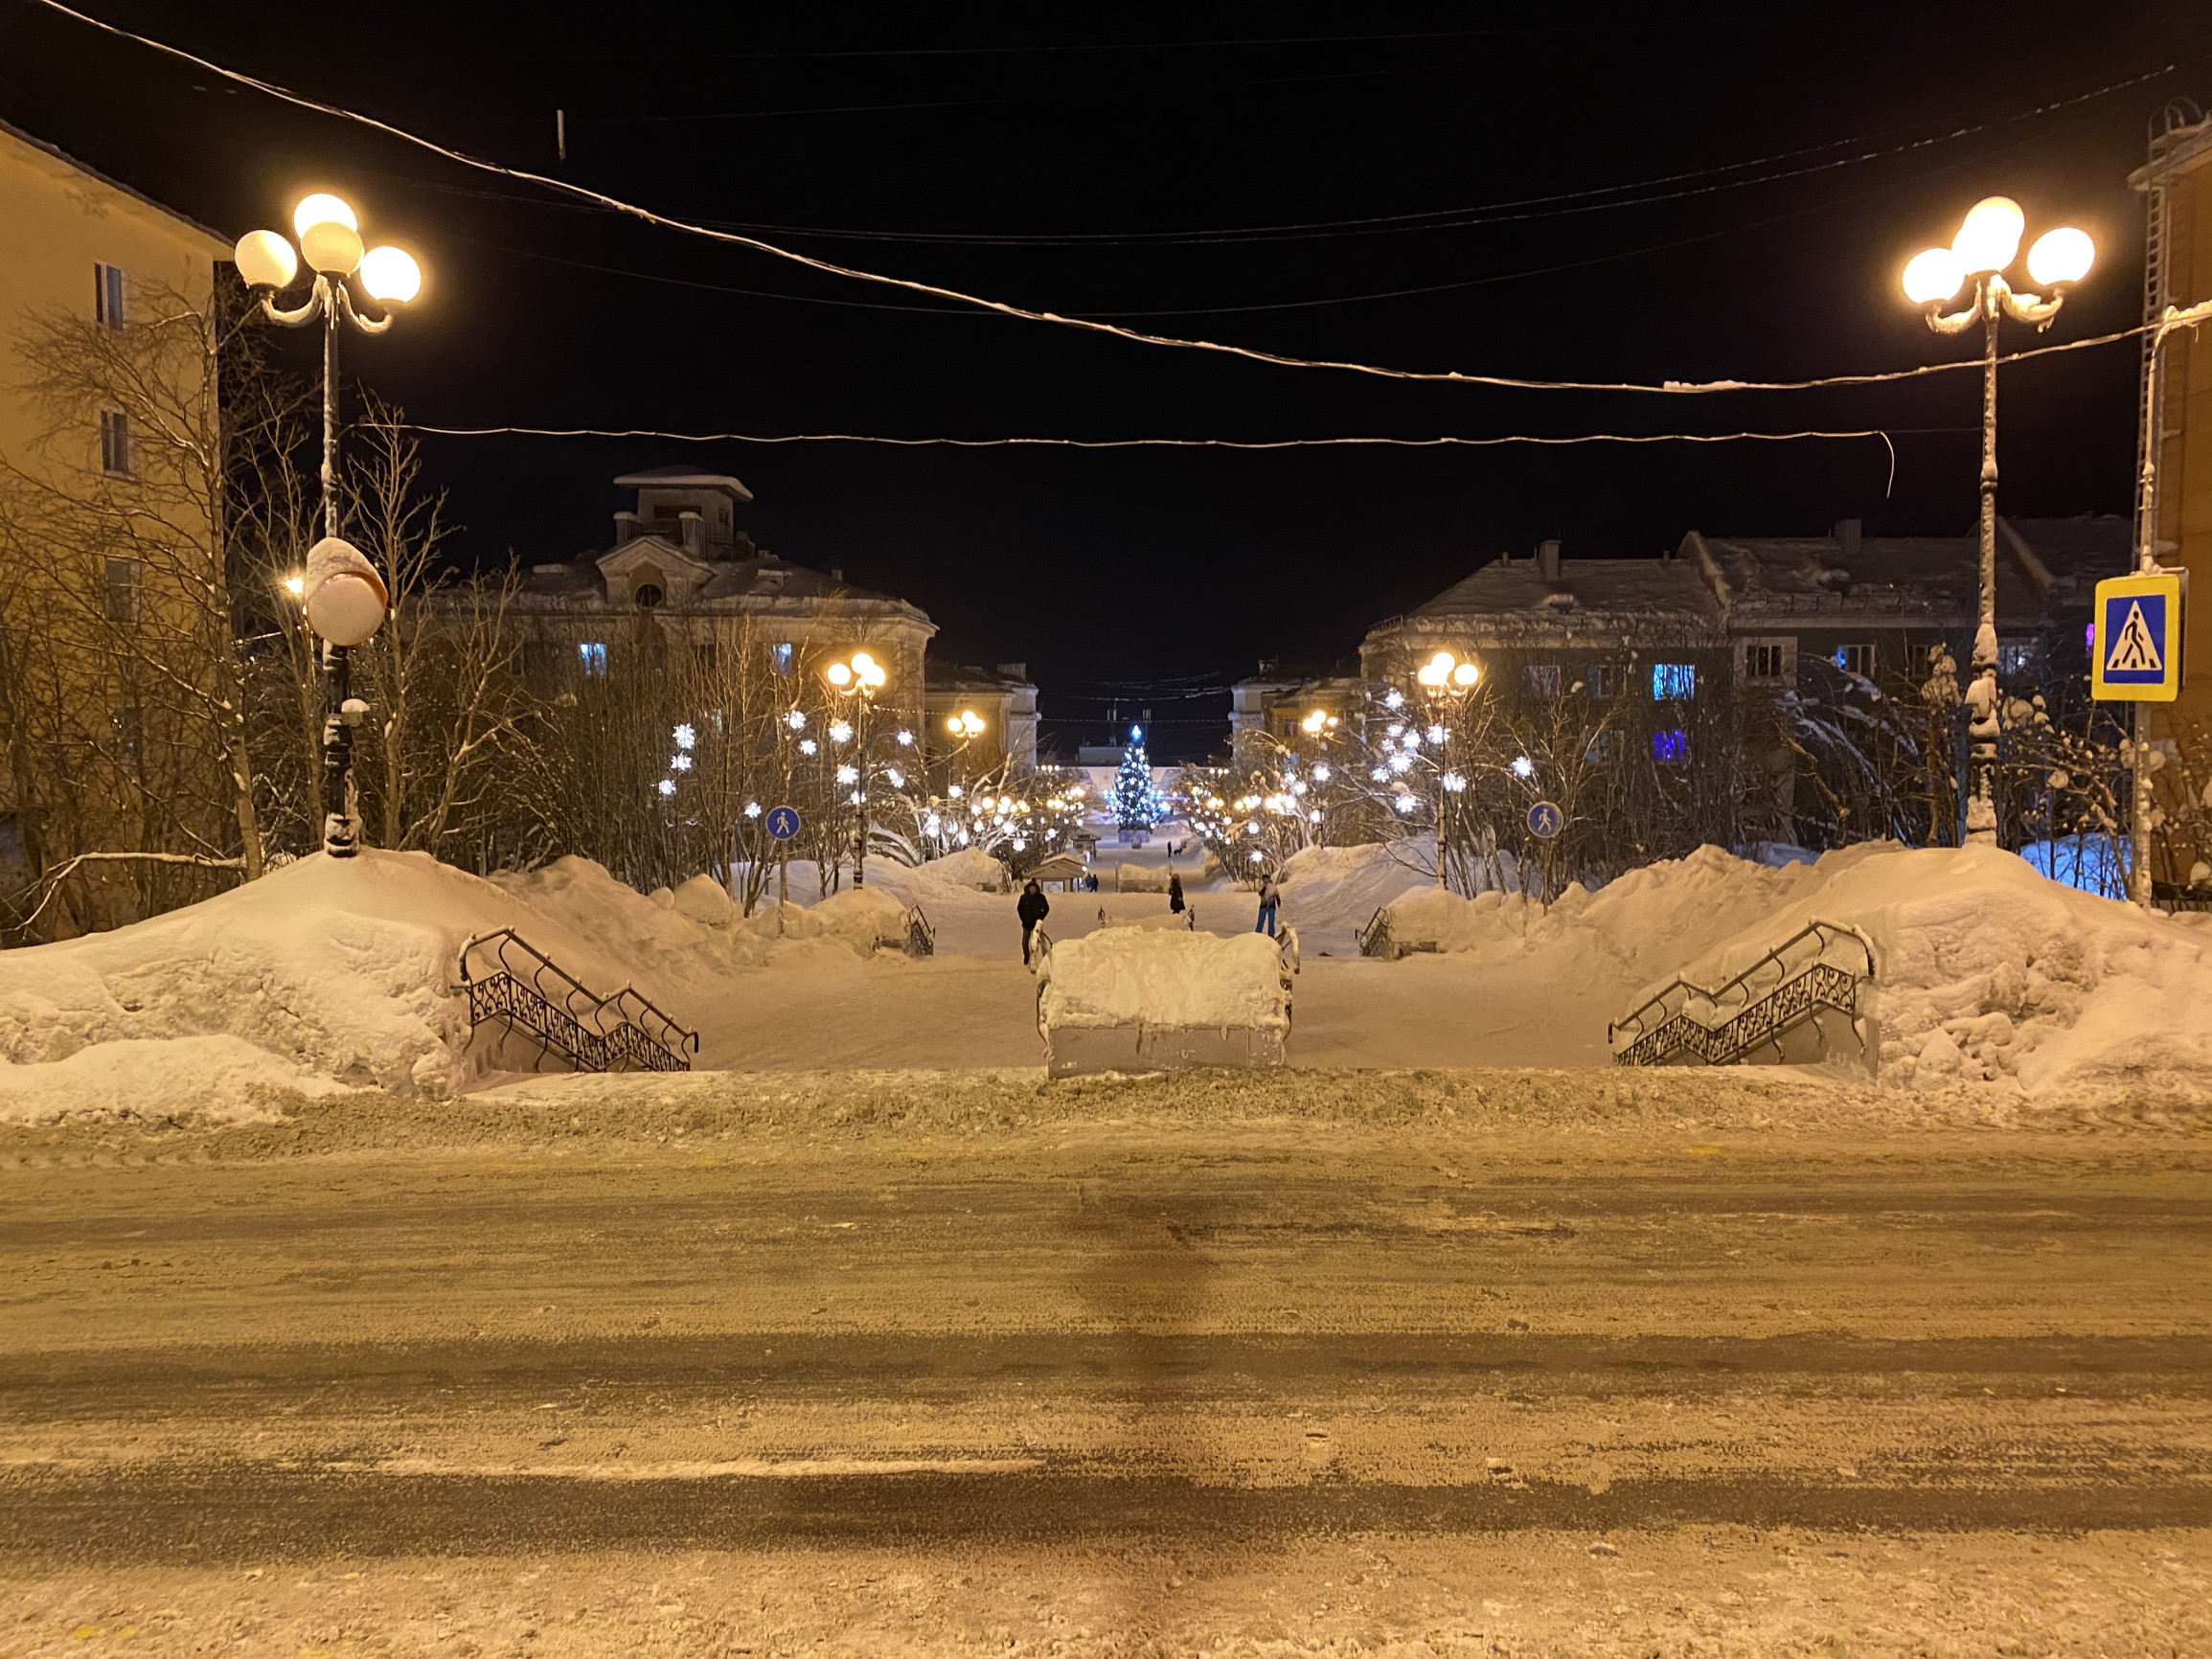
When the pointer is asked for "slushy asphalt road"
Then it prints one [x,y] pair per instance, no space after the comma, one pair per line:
[1041,1355]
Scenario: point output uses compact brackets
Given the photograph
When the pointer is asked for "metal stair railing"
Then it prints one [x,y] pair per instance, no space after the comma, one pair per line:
[1375,938]
[1786,987]
[508,978]
[920,937]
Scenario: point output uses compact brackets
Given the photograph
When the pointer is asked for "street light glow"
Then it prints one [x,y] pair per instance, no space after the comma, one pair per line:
[1932,276]
[2061,256]
[1990,235]
[391,275]
[266,260]
[322,209]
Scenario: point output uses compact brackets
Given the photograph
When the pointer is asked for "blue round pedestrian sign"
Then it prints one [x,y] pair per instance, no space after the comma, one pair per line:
[783,822]
[1545,819]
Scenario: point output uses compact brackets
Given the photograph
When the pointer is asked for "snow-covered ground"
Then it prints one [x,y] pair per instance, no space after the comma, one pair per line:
[337,974]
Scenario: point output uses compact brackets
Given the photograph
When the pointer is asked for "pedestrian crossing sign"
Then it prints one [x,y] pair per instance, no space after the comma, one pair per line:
[2135,653]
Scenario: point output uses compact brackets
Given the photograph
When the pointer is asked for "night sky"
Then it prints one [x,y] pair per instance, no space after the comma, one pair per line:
[957,152]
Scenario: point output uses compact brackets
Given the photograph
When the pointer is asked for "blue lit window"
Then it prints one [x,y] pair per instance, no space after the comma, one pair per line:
[1672,680]
[1671,747]
[780,655]
[594,655]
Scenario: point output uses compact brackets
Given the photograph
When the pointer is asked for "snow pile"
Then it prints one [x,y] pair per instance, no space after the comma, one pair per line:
[1329,893]
[1131,877]
[1139,976]
[328,969]
[969,867]
[225,1078]
[1985,970]
[861,919]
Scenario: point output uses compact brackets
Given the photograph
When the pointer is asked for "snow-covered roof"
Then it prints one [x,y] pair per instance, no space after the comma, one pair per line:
[953,678]
[2043,564]
[1509,597]
[763,578]
[683,478]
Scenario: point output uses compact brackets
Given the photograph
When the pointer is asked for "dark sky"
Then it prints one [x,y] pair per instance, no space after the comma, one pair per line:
[1122,566]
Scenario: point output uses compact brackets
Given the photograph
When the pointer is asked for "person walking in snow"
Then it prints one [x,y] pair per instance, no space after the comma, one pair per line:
[1033,907]
[1270,896]
[1175,894]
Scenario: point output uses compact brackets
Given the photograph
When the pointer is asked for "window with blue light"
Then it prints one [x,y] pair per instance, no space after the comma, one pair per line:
[780,657]
[1671,747]
[594,656]
[1672,681]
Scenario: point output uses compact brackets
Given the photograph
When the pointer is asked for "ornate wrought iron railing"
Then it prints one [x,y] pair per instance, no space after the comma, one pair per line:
[1785,987]
[509,980]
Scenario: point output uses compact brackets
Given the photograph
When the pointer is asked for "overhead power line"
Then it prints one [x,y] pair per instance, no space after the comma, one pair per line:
[1002,307]
[1545,440]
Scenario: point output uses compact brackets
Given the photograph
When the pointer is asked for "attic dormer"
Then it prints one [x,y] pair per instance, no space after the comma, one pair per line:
[694,510]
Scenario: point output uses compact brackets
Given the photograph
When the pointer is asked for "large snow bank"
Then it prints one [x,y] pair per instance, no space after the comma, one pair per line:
[223,1077]
[1329,893]
[1985,970]
[332,968]
[1137,976]
[971,868]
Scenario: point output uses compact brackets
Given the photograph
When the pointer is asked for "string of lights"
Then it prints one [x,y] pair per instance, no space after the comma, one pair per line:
[1022,313]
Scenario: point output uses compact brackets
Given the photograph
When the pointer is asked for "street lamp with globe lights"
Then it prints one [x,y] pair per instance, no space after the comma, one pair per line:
[1445,679]
[859,676]
[344,598]
[1988,240]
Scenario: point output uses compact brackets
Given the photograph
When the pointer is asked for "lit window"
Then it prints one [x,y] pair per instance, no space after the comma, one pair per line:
[107,295]
[780,655]
[1856,659]
[593,655]
[2016,659]
[1671,747]
[1673,680]
[1539,679]
[1763,661]
[115,442]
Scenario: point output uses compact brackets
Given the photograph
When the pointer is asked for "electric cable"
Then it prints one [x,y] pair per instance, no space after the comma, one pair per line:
[1004,307]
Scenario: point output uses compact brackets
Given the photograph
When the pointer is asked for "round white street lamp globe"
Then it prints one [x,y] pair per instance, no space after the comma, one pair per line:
[2061,256]
[1933,276]
[266,260]
[345,596]
[331,248]
[391,274]
[322,209]
[1990,235]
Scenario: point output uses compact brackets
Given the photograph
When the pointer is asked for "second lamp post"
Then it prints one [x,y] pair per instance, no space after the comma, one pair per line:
[1979,256]
[344,598]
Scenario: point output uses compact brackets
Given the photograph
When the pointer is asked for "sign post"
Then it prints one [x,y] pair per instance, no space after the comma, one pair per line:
[2136,657]
[782,825]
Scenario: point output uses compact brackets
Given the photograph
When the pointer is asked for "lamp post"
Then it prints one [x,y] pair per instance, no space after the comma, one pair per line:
[861,676]
[2172,318]
[1986,242]
[344,598]
[1445,679]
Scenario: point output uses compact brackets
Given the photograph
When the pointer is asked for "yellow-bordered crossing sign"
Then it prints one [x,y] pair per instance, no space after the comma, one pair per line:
[2135,651]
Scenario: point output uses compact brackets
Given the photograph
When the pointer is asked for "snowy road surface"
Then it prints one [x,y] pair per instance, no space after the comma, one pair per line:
[1040,1370]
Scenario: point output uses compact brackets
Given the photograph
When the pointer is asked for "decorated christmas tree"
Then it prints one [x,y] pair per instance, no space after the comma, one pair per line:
[1136,803]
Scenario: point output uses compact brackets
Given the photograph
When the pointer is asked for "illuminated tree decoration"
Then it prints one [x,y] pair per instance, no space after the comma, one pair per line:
[1136,803]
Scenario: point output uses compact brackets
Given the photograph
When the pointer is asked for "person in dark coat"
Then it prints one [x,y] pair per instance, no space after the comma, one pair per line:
[1270,896]
[1175,894]
[1032,908]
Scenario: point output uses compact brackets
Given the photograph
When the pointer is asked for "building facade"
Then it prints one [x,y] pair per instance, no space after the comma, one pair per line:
[682,585]
[1002,698]
[107,548]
